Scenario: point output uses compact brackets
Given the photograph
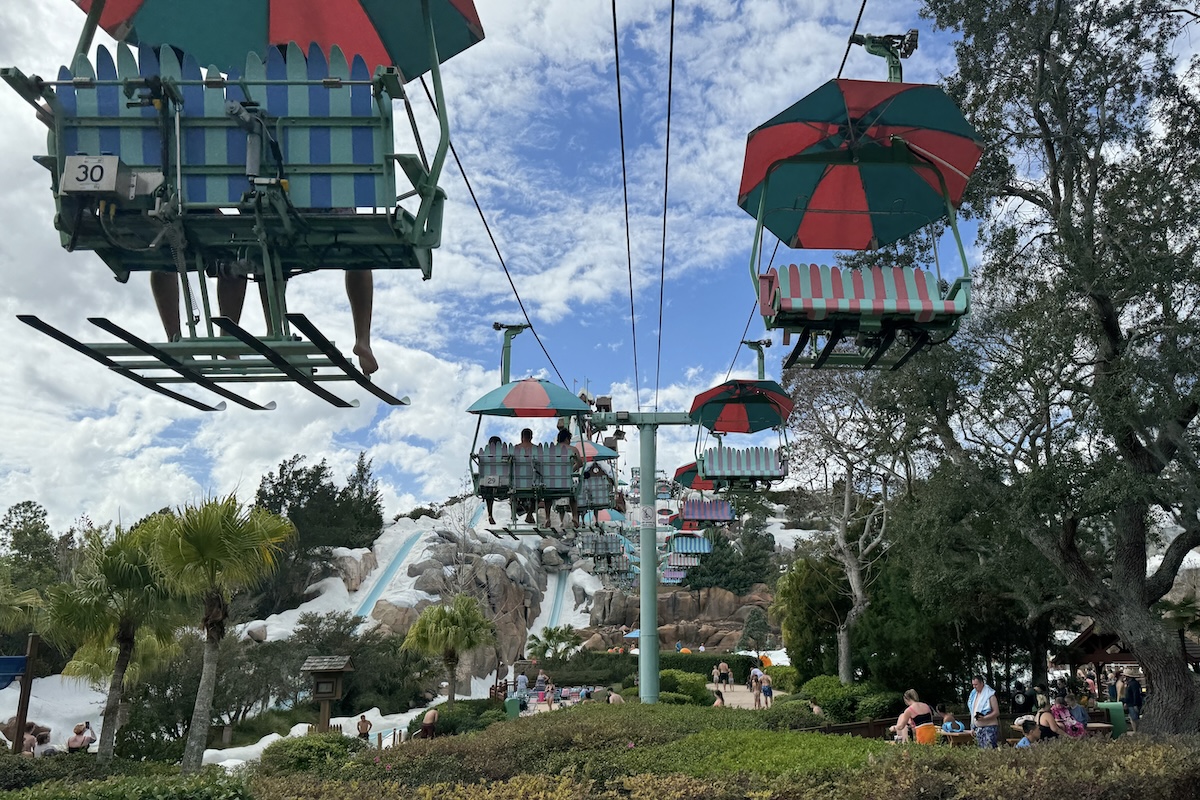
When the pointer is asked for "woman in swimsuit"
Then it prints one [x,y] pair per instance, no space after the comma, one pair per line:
[916,713]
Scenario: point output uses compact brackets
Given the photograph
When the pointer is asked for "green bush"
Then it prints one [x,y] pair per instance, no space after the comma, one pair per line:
[464,716]
[210,785]
[879,704]
[837,701]
[492,716]
[590,668]
[783,679]
[18,772]
[690,685]
[703,663]
[791,716]
[321,753]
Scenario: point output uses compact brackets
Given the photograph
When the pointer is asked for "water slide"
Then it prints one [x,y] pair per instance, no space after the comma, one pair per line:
[393,566]
[560,591]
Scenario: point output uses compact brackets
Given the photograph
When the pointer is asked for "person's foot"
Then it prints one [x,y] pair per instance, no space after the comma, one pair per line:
[366,359]
[491,521]
[529,518]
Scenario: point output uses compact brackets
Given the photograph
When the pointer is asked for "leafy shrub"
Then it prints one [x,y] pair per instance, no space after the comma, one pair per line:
[838,702]
[692,686]
[791,716]
[703,663]
[492,716]
[675,699]
[18,772]
[591,668]
[211,785]
[879,704]
[464,716]
[783,679]
[322,753]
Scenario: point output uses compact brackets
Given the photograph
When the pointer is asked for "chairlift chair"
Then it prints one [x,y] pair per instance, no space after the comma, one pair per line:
[159,165]
[857,165]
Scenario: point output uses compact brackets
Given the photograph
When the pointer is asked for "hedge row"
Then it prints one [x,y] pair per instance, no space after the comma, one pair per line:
[590,668]
[18,772]
[1132,767]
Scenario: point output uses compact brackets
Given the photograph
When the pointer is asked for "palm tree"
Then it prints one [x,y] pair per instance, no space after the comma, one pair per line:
[18,609]
[206,552]
[450,631]
[116,597]
[96,662]
[1181,616]
[553,643]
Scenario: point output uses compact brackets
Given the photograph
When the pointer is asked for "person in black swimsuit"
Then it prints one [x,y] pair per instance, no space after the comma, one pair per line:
[1047,725]
[916,713]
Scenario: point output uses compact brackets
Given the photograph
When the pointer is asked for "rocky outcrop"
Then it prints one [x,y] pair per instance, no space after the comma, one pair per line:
[710,617]
[353,566]
[397,619]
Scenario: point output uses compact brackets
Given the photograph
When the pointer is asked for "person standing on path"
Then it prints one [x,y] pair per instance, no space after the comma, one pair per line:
[756,689]
[723,669]
[364,727]
[767,690]
[1133,697]
[985,714]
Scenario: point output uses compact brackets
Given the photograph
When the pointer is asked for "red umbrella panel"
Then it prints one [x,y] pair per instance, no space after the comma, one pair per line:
[531,397]
[742,406]
[688,476]
[858,164]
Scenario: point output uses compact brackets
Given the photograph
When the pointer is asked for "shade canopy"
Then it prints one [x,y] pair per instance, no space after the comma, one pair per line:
[594,451]
[529,397]
[742,406]
[688,476]
[222,32]
[858,164]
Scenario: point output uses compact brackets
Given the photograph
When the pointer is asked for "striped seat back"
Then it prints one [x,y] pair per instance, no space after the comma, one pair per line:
[495,466]
[817,292]
[595,491]
[524,477]
[752,462]
[709,510]
[336,139]
[555,469]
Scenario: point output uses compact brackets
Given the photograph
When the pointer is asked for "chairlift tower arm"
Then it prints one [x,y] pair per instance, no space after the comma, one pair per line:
[892,47]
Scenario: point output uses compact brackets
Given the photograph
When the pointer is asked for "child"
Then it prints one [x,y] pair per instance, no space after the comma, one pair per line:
[1032,733]
[949,723]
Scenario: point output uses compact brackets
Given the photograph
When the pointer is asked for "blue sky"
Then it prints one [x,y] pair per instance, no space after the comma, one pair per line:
[534,116]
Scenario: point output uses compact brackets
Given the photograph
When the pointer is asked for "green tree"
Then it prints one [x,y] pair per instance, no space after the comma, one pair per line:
[206,552]
[555,642]
[1080,422]
[117,592]
[18,607]
[810,601]
[31,546]
[754,631]
[450,631]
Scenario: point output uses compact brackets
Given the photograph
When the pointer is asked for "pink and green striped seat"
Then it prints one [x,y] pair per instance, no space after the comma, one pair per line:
[800,295]
[595,491]
[494,476]
[734,465]
[555,470]
[524,475]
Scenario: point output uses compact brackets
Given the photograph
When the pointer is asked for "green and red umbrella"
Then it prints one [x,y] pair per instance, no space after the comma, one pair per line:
[688,477]
[222,32]
[604,515]
[530,397]
[594,451]
[742,406]
[856,164]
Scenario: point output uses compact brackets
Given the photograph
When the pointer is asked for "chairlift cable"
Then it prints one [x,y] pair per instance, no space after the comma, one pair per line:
[662,276]
[850,42]
[462,171]
[625,187]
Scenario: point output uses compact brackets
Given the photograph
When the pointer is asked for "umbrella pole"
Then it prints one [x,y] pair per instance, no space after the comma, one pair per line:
[89,29]
[758,229]
[439,156]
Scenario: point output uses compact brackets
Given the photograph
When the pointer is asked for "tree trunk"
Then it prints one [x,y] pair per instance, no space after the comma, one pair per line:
[845,672]
[451,660]
[1174,704]
[193,751]
[116,688]
[1039,643]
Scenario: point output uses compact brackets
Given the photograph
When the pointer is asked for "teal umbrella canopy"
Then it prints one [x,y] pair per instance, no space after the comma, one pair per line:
[530,397]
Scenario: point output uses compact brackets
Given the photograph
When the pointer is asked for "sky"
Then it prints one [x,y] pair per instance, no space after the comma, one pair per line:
[533,114]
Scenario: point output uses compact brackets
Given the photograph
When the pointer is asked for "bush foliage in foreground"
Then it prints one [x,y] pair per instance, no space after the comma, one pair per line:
[1163,769]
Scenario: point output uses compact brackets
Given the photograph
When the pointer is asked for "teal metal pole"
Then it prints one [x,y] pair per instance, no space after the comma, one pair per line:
[506,351]
[648,643]
[89,29]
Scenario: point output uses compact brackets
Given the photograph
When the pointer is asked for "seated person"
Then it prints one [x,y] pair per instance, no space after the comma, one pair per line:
[489,494]
[949,723]
[564,438]
[1078,712]
[524,447]
[231,294]
[1067,723]
[1032,733]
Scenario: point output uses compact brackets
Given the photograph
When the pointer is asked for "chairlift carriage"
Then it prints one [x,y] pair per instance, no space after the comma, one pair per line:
[196,158]
[741,406]
[858,165]
[531,474]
